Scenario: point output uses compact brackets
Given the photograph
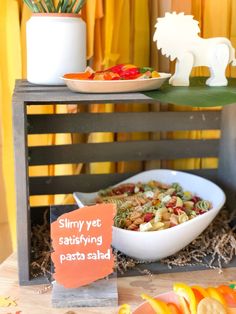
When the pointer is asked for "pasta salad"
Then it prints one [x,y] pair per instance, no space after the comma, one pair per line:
[153,205]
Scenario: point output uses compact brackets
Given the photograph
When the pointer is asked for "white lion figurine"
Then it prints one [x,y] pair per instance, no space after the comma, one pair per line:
[177,37]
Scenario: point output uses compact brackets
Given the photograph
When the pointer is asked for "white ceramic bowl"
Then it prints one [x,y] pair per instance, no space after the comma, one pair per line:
[155,245]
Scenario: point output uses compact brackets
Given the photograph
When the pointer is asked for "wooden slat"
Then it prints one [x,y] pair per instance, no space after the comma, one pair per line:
[122,151]
[42,94]
[90,183]
[33,94]
[70,184]
[38,88]
[22,191]
[123,122]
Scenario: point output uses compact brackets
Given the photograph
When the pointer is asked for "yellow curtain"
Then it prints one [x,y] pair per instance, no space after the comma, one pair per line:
[105,25]
[125,40]
[133,48]
[206,12]
[10,69]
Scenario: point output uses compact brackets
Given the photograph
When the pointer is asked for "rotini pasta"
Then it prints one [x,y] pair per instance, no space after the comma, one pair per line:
[153,205]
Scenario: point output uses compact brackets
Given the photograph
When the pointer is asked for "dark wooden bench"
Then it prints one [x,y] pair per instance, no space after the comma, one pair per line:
[144,150]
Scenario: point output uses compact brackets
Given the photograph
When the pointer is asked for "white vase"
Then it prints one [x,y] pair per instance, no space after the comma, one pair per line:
[56,44]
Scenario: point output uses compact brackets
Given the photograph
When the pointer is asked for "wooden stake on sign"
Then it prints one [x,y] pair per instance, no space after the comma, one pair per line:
[98,294]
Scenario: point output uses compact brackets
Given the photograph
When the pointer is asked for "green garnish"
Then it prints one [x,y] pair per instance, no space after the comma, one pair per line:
[145,69]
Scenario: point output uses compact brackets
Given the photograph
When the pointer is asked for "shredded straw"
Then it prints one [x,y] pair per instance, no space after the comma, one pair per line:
[214,248]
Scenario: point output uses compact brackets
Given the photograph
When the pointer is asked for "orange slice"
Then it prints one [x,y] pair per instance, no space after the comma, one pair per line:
[184,291]
[158,306]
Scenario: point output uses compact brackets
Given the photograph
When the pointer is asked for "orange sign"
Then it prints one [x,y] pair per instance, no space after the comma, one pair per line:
[81,241]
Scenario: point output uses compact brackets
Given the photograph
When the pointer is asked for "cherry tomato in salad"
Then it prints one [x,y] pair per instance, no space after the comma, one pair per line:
[148,217]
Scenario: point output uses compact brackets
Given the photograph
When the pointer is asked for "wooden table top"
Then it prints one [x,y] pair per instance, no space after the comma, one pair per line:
[29,301]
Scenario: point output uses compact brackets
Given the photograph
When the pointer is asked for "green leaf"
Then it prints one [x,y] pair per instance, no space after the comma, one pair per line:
[145,69]
[79,6]
[60,3]
[70,8]
[197,94]
[29,4]
[65,5]
[33,6]
[41,5]
[36,8]
[50,6]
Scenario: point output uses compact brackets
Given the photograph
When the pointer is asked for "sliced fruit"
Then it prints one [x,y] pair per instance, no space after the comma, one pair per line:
[125,309]
[184,305]
[200,293]
[78,76]
[155,74]
[184,291]
[174,308]
[228,293]
[99,76]
[210,306]
[158,306]
[129,66]
[215,294]
[110,76]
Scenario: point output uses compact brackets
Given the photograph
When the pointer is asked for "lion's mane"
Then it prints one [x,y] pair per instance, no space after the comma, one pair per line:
[174,32]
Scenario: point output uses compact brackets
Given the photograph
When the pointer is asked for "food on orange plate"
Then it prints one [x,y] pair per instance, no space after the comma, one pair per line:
[228,293]
[199,292]
[125,309]
[185,293]
[159,306]
[215,294]
[210,306]
[191,300]
[118,72]
[174,308]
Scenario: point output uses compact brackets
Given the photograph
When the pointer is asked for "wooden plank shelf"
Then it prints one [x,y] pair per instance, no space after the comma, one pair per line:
[122,151]
[90,183]
[119,121]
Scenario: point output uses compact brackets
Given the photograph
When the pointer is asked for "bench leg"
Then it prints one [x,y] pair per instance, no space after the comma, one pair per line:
[22,193]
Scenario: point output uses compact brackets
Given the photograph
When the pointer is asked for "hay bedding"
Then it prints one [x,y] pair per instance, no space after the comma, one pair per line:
[217,242]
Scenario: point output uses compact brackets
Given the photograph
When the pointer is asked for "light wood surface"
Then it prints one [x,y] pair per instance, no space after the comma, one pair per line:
[31,302]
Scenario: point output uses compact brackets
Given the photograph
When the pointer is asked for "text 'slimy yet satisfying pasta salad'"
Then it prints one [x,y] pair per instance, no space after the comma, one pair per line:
[153,205]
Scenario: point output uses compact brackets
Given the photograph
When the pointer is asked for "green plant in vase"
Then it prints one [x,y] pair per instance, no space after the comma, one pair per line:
[47,6]
[56,40]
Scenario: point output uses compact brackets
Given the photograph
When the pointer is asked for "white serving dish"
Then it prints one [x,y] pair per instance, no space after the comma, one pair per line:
[155,245]
[116,86]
